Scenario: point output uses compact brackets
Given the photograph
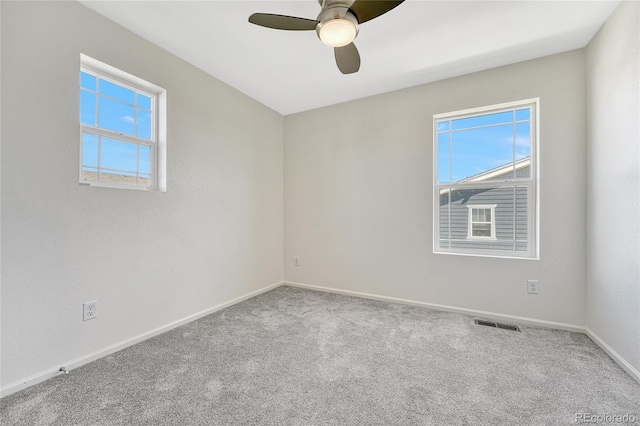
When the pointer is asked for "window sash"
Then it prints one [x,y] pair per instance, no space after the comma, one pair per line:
[123,138]
[439,247]
[137,90]
[449,131]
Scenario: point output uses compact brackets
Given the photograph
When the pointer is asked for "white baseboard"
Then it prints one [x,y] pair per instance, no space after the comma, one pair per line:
[85,359]
[613,354]
[446,308]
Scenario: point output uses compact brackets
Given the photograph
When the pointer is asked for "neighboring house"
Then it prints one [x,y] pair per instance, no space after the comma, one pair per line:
[486,217]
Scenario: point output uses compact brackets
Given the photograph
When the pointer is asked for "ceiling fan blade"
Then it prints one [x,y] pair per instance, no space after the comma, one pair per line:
[347,58]
[282,22]
[366,10]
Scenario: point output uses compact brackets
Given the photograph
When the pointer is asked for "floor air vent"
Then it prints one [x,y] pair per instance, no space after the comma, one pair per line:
[497,325]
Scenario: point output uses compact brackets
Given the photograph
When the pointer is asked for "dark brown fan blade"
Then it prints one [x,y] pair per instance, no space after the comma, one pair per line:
[366,10]
[282,22]
[347,58]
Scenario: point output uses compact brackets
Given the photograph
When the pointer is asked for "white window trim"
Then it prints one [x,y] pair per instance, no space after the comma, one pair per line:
[470,222]
[158,143]
[533,214]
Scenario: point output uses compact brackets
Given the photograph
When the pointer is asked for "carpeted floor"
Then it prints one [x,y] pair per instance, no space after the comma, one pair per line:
[300,357]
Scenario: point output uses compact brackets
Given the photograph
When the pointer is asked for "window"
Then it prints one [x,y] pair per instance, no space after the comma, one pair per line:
[485,181]
[481,222]
[122,129]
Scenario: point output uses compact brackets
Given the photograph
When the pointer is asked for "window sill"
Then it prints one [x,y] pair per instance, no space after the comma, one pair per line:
[116,186]
[497,255]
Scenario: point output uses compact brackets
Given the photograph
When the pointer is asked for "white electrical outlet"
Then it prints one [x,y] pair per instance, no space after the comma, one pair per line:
[532,286]
[296,261]
[89,310]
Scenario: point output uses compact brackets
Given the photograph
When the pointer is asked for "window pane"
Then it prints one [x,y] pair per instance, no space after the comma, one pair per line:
[118,177]
[116,91]
[443,158]
[444,214]
[459,213]
[487,215]
[523,150]
[87,81]
[144,124]
[523,114]
[144,180]
[481,230]
[444,217]
[521,225]
[89,150]
[523,140]
[115,154]
[89,174]
[87,108]
[443,126]
[144,158]
[477,151]
[144,101]
[482,120]
[115,116]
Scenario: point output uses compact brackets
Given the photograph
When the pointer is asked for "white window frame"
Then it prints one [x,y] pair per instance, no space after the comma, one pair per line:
[492,224]
[158,142]
[532,183]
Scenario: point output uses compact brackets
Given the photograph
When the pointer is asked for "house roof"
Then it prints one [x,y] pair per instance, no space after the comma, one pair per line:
[495,173]
[499,171]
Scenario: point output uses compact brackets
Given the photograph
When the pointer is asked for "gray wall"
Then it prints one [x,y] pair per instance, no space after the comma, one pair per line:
[613,291]
[149,258]
[358,195]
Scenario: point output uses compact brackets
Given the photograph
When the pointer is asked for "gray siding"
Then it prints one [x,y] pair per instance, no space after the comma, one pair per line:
[511,229]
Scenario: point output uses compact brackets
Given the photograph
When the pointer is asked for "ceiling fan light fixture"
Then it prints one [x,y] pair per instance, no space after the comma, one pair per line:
[337,26]
[337,32]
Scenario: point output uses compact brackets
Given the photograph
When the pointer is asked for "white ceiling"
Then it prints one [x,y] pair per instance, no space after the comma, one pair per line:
[417,42]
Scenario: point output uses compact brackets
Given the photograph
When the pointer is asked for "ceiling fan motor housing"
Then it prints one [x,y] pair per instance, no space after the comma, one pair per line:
[337,27]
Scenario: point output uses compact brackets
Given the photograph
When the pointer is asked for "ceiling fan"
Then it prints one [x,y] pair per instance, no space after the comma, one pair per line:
[337,26]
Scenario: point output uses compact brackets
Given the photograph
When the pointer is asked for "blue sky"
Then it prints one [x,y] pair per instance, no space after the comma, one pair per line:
[469,146]
[121,110]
